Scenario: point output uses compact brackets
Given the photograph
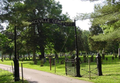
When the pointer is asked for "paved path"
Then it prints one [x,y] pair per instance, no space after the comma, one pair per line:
[35,76]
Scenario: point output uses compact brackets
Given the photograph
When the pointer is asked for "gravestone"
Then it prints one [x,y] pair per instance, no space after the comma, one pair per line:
[118,51]
[119,56]
[103,54]
[62,62]
[106,58]
[73,56]
[115,55]
[42,62]
[40,57]
[84,58]
[53,61]
[112,57]
[91,58]
[44,59]
[26,58]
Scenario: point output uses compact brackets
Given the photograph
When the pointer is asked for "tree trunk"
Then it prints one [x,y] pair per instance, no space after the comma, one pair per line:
[56,55]
[42,51]
[42,39]
[29,56]
[2,58]
[34,56]
[10,56]
[17,55]
[23,57]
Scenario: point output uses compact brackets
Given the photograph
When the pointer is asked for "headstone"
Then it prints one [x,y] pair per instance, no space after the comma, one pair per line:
[112,57]
[53,61]
[103,54]
[118,51]
[73,62]
[35,62]
[29,57]
[26,58]
[73,56]
[42,62]
[57,60]
[84,58]
[115,55]
[106,58]
[119,56]
[91,58]
[40,57]
[62,62]
[44,59]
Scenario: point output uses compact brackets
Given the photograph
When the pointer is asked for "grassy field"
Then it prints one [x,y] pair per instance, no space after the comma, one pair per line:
[7,77]
[110,69]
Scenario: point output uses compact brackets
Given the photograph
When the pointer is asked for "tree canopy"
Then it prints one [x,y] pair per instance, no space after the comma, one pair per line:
[37,38]
[107,17]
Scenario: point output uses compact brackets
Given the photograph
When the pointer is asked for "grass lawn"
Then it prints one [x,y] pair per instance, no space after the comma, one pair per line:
[7,77]
[110,69]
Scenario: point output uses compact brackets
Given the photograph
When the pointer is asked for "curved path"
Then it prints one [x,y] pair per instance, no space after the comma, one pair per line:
[35,76]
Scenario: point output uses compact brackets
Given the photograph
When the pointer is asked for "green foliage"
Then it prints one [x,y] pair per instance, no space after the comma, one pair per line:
[37,37]
[41,36]
[107,17]
[115,35]
[112,46]
[7,77]
[96,45]
[83,40]
[105,24]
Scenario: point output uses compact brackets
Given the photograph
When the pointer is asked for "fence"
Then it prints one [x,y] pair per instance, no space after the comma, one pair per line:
[88,66]
[102,65]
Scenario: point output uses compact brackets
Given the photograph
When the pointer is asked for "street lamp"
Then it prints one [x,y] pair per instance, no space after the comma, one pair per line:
[16,63]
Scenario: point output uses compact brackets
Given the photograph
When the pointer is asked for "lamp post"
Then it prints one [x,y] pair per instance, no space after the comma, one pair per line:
[16,63]
[77,53]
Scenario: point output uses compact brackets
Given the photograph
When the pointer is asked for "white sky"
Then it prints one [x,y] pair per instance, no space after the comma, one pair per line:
[73,7]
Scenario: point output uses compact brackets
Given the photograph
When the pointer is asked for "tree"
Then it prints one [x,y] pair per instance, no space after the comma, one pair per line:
[38,36]
[5,45]
[112,46]
[85,37]
[107,17]
[96,45]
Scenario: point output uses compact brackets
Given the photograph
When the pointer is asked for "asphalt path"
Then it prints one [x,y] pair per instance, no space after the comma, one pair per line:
[35,76]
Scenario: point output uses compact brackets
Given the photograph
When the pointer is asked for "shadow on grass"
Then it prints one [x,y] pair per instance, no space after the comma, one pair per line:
[6,78]
[112,75]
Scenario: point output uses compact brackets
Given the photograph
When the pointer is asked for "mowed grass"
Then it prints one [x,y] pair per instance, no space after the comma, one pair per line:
[7,77]
[110,69]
